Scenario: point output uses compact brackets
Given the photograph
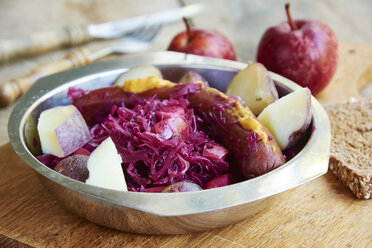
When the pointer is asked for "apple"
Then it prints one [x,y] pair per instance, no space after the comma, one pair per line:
[104,166]
[62,130]
[254,86]
[304,51]
[288,118]
[203,42]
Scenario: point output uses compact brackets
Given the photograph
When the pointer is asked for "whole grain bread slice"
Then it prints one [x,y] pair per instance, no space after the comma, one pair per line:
[351,149]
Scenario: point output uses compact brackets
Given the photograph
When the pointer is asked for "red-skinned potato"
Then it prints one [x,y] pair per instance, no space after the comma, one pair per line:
[182,187]
[192,76]
[254,86]
[104,165]
[62,130]
[289,117]
[75,167]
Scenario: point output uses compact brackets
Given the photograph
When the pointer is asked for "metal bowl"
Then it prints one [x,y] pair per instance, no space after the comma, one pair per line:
[166,213]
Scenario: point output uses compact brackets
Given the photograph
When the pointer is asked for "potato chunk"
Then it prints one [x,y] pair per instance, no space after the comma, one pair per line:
[62,130]
[288,118]
[142,71]
[74,166]
[254,86]
[104,165]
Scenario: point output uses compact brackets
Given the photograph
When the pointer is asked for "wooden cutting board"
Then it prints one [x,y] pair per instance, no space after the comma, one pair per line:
[321,213]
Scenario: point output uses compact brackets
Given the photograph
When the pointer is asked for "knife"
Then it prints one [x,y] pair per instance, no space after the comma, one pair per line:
[69,36]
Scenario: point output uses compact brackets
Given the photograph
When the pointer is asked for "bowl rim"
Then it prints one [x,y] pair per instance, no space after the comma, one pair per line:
[310,163]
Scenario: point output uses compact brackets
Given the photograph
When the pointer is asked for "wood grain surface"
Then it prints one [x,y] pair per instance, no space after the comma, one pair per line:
[321,213]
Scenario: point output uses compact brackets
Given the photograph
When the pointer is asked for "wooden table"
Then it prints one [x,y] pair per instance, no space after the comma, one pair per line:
[321,213]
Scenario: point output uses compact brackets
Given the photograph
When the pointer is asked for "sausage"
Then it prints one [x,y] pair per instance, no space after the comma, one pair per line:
[236,127]
[232,124]
[96,100]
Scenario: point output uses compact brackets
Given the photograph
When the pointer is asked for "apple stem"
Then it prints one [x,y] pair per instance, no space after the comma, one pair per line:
[187,28]
[289,16]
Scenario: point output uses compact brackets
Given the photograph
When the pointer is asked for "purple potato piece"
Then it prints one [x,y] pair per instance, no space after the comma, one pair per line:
[182,187]
[192,76]
[75,167]
[62,130]
[289,117]
[254,86]
[73,133]
[296,136]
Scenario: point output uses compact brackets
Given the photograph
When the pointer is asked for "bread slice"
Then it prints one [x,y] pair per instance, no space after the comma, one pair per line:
[351,149]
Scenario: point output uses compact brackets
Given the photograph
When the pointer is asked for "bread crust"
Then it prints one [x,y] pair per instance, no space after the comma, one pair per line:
[351,149]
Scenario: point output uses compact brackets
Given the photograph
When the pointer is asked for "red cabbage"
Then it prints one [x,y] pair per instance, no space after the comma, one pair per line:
[160,144]
[75,93]
[186,89]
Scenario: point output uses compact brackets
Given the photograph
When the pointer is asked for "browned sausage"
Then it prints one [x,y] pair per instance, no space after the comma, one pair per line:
[253,146]
[232,123]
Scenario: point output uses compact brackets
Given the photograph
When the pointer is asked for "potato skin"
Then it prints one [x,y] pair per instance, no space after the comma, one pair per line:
[75,167]
[215,107]
[296,136]
[182,187]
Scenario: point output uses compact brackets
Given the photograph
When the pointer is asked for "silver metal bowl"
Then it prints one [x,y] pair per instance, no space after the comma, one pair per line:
[166,213]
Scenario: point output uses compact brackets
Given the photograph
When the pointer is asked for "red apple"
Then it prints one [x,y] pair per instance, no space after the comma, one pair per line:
[304,51]
[203,42]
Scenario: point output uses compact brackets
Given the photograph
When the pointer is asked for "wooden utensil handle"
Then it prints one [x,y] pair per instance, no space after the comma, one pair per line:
[12,90]
[44,41]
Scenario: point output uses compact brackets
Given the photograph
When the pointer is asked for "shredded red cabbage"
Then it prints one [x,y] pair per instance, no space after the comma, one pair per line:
[160,144]
[49,160]
[75,93]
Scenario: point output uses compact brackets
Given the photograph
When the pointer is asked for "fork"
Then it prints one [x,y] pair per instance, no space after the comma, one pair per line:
[138,40]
